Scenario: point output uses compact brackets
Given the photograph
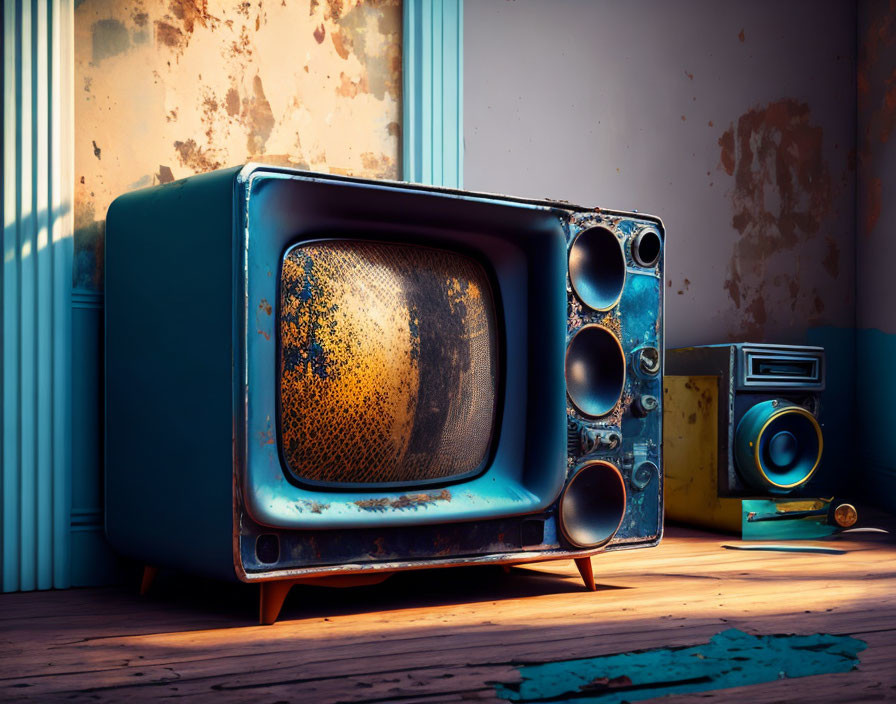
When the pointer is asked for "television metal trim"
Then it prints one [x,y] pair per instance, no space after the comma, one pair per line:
[515,498]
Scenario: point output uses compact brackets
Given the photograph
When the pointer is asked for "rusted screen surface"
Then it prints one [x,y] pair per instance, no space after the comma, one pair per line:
[388,363]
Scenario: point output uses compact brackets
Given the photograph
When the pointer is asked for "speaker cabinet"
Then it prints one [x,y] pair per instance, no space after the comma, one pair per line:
[741,422]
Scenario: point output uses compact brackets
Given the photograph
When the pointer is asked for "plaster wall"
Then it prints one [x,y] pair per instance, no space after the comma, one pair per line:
[876,214]
[876,249]
[733,121]
[169,88]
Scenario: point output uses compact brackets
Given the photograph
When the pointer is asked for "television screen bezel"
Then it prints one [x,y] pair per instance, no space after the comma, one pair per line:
[527,474]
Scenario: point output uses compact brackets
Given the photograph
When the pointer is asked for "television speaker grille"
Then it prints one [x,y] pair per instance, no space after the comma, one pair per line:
[388,363]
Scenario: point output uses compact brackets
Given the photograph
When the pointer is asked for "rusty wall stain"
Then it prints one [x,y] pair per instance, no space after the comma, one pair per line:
[877,105]
[831,259]
[888,108]
[781,208]
[189,12]
[362,31]
[194,157]
[259,117]
[171,88]
[872,203]
[169,35]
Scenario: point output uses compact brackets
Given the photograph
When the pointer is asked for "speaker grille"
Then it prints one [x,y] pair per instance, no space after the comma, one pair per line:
[593,505]
[595,370]
[388,363]
[597,268]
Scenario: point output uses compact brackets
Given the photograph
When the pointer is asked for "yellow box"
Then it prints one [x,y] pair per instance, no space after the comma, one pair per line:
[691,454]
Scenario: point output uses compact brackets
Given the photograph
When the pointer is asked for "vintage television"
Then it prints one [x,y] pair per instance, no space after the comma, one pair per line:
[742,425]
[321,379]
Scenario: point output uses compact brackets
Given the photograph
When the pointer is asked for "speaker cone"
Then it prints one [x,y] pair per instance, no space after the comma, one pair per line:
[597,268]
[595,370]
[778,446]
[592,505]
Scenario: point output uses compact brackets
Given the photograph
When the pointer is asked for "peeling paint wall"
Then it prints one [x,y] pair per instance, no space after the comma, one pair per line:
[733,121]
[169,88]
[876,245]
[876,248]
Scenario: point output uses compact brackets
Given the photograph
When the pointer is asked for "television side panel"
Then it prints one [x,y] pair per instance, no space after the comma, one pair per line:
[168,385]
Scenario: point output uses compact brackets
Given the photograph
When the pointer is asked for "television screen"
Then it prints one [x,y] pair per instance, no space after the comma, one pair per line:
[388,363]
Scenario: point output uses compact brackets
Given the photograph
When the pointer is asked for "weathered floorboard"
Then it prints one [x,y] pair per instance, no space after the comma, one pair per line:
[446,636]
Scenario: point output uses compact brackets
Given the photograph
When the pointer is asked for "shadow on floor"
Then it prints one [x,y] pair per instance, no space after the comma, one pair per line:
[403,590]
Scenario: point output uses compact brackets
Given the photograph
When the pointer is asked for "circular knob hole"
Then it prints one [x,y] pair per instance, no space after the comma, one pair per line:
[649,360]
[646,247]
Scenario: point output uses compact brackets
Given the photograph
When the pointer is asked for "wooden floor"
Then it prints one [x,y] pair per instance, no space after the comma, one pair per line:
[447,635]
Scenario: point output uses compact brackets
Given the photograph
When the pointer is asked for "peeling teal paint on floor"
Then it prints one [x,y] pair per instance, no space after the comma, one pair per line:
[732,658]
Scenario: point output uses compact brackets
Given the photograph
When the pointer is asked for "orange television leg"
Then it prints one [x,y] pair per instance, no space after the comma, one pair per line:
[149,574]
[273,594]
[585,569]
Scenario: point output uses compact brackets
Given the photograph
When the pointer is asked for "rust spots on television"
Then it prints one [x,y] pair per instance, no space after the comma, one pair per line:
[312,506]
[404,501]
